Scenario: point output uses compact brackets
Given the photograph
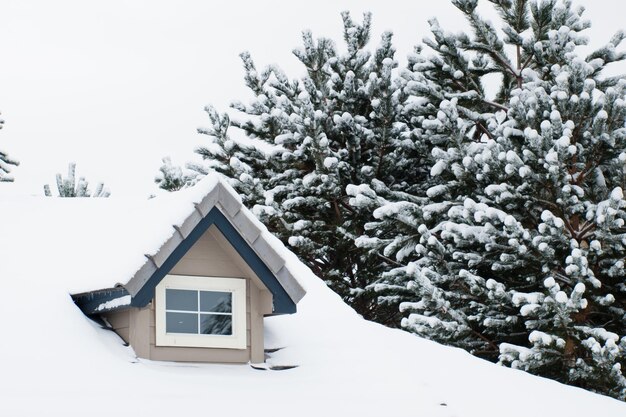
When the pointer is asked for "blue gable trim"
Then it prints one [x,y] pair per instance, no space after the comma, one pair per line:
[282,302]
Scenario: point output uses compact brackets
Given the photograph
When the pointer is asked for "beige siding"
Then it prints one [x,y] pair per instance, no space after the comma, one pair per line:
[140,331]
[124,334]
[240,264]
[255,318]
[119,321]
[212,255]
[207,258]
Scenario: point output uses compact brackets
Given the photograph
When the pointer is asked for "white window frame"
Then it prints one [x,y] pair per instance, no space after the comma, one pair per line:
[236,286]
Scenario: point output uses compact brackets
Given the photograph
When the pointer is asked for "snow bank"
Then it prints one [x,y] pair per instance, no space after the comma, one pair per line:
[67,365]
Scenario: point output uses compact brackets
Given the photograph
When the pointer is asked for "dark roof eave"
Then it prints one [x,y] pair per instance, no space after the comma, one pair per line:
[95,302]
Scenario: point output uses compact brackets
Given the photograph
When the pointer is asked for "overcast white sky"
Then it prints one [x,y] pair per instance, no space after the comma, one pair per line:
[116,85]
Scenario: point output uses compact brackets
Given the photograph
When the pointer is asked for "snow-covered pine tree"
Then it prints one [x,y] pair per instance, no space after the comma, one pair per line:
[516,250]
[5,163]
[305,141]
[170,176]
[69,187]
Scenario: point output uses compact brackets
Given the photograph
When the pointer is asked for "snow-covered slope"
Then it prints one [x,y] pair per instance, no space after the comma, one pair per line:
[56,362]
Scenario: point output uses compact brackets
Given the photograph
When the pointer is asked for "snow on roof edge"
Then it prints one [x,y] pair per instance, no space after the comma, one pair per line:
[214,191]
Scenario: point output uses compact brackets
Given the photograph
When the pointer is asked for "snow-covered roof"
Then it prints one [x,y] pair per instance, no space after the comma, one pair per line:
[211,203]
[55,361]
[102,243]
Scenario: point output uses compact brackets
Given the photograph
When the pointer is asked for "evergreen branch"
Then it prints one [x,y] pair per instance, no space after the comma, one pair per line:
[484,130]
[391,261]
[547,203]
[481,98]
[589,228]
[345,205]
[527,62]
[496,105]
[485,339]
[496,57]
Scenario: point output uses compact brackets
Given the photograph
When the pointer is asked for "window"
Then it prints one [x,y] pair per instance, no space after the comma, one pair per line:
[201,312]
[198,312]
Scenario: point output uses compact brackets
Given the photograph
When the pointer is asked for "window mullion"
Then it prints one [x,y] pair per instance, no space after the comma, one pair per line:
[215,313]
[199,331]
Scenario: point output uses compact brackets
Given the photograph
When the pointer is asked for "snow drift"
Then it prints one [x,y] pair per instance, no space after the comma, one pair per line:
[55,361]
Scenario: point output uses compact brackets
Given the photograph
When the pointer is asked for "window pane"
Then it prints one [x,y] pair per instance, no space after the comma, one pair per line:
[216,324]
[181,323]
[181,300]
[216,301]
